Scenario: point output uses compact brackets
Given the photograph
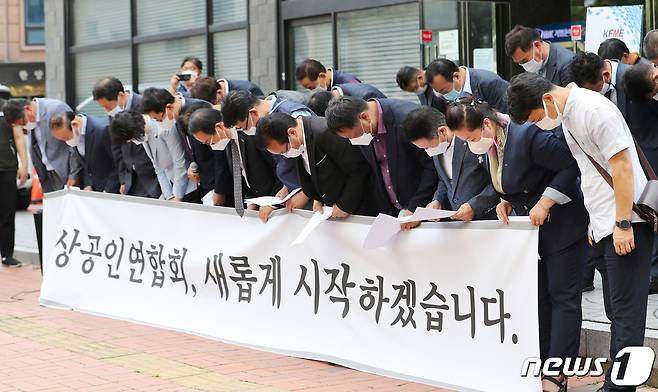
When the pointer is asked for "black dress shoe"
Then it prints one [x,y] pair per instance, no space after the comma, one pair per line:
[11,262]
[653,287]
[588,286]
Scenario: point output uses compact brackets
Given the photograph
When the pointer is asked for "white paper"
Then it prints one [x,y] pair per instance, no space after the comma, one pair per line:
[271,200]
[449,44]
[207,199]
[312,224]
[422,214]
[484,58]
[385,226]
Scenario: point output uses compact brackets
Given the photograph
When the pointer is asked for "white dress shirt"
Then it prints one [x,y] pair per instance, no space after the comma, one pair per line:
[598,126]
[446,158]
[307,164]
[80,145]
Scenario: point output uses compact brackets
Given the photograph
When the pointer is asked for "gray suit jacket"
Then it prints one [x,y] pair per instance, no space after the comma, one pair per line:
[489,87]
[557,67]
[470,183]
[292,95]
[58,153]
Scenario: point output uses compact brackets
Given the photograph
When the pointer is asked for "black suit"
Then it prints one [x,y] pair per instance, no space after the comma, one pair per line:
[259,165]
[138,175]
[99,168]
[339,173]
[411,170]
[428,98]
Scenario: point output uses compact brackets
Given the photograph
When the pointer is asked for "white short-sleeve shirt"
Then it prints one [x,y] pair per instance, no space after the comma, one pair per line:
[600,129]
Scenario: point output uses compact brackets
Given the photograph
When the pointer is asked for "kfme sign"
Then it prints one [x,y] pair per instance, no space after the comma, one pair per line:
[631,367]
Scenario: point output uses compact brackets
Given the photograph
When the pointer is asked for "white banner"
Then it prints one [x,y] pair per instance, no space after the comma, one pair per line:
[623,22]
[446,304]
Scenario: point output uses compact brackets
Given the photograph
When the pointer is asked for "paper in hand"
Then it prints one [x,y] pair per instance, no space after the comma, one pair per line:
[312,224]
[271,200]
[385,226]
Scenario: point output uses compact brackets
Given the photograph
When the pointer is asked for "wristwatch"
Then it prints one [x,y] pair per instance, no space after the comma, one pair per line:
[624,224]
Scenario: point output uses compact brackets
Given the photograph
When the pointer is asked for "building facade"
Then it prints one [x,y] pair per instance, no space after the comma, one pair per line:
[22,50]
[142,42]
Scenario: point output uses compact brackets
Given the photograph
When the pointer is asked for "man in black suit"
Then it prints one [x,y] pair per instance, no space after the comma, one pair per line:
[249,171]
[526,48]
[464,182]
[412,80]
[641,84]
[592,72]
[93,164]
[136,172]
[331,171]
[405,175]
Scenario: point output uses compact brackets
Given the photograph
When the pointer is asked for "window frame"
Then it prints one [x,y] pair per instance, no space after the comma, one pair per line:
[25,26]
[208,31]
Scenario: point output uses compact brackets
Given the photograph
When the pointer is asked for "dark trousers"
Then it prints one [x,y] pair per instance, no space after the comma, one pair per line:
[625,291]
[654,261]
[51,182]
[590,268]
[193,197]
[559,291]
[7,212]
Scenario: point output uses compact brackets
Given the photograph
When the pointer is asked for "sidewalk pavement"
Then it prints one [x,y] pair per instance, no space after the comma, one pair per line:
[58,350]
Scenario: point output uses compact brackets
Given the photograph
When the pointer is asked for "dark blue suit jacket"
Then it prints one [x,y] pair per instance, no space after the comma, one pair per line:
[341,77]
[534,160]
[100,171]
[411,169]
[470,183]
[623,100]
[489,87]
[360,90]
[245,85]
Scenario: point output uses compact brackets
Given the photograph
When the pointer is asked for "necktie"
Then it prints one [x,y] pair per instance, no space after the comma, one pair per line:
[237,178]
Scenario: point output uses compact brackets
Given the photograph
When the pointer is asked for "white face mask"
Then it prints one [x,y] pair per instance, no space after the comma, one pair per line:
[117,109]
[421,90]
[532,65]
[166,123]
[547,123]
[438,150]
[250,131]
[364,139]
[294,152]
[221,144]
[30,125]
[73,141]
[606,87]
[481,146]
